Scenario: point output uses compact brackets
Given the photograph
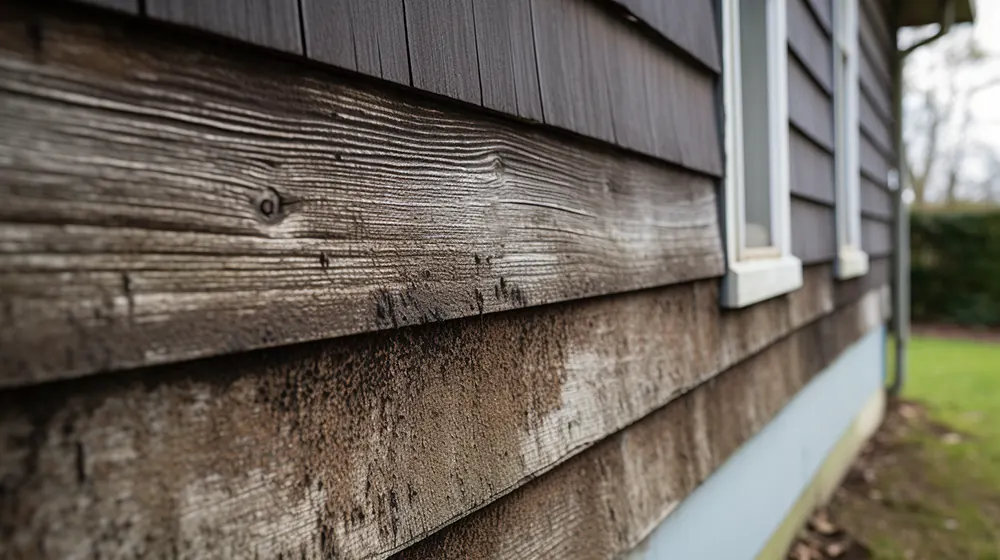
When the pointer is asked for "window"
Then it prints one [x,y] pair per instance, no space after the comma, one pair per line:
[755,91]
[851,260]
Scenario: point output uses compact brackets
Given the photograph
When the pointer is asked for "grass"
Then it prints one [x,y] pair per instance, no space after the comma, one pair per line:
[936,487]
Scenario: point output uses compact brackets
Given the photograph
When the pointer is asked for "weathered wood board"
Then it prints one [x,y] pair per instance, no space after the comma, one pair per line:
[165,202]
[359,445]
[606,500]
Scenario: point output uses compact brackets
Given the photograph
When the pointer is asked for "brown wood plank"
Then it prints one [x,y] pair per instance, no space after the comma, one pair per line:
[690,24]
[874,165]
[876,237]
[358,446]
[129,6]
[183,202]
[271,23]
[441,35]
[876,201]
[810,109]
[812,172]
[364,35]
[808,40]
[506,47]
[814,235]
[604,502]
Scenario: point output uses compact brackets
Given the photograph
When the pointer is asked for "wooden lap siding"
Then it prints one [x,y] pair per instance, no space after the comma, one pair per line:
[579,65]
[283,206]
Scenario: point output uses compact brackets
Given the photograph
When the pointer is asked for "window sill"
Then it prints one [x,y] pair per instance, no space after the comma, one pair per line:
[752,281]
[851,263]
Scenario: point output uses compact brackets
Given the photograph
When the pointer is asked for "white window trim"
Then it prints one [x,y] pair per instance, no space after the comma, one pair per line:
[852,261]
[753,274]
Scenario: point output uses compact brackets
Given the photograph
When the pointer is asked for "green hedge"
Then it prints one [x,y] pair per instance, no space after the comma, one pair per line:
[955,270]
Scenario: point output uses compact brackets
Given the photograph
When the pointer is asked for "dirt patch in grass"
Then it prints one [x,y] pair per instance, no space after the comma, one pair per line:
[919,490]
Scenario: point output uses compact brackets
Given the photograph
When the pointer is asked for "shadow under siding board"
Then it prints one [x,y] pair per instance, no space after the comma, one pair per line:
[876,237]
[441,35]
[368,36]
[507,66]
[876,200]
[271,23]
[810,108]
[873,163]
[814,234]
[129,6]
[360,445]
[689,24]
[823,11]
[812,172]
[163,210]
[604,501]
[808,40]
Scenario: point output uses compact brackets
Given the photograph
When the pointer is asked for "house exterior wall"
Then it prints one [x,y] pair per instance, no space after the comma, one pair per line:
[441,279]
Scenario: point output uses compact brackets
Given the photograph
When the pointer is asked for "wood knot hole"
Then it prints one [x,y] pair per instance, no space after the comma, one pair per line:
[269,206]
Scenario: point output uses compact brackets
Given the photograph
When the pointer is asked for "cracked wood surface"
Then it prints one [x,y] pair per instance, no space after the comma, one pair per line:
[164,201]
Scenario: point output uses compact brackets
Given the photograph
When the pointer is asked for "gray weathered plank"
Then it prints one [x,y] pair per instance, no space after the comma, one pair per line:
[874,165]
[603,502]
[130,6]
[874,46]
[876,201]
[271,23]
[810,109]
[876,237]
[879,91]
[822,10]
[506,47]
[814,234]
[441,35]
[358,446]
[879,276]
[329,32]
[810,43]
[157,210]
[690,24]
[812,172]
[875,126]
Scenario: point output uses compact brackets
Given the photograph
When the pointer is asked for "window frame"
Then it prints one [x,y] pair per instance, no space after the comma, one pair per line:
[755,274]
[852,261]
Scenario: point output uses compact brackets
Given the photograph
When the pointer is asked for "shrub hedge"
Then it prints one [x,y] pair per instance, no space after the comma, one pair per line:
[955,267]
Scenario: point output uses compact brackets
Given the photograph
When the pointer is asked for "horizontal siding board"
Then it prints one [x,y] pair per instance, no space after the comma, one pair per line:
[592,69]
[285,451]
[810,43]
[879,93]
[875,14]
[603,503]
[876,201]
[238,208]
[879,276]
[875,126]
[877,51]
[810,109]
[506,48]
[271,23]
[874,165]
[822,10]
[812,172]
[690,24]
[814,236]
[441,35]
[876,237]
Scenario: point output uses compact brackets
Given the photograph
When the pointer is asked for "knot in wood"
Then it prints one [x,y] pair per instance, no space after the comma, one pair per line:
[269,207]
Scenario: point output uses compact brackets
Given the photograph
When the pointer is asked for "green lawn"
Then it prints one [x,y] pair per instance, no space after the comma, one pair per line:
[937,492]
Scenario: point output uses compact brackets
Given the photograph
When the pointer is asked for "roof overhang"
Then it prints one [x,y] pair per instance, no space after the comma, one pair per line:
[925,12]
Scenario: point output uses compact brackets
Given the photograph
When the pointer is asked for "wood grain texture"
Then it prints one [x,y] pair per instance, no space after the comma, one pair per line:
[874,165]
[810,108]
[876,237]
[592,70]
[605,501]
[359,446]
[690,24]
[271,23]
[876,200]
[814,234]
[506,48]
[812,173]
[129,6]
[810,43]
[180,203]
[364,35]
[441,35]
